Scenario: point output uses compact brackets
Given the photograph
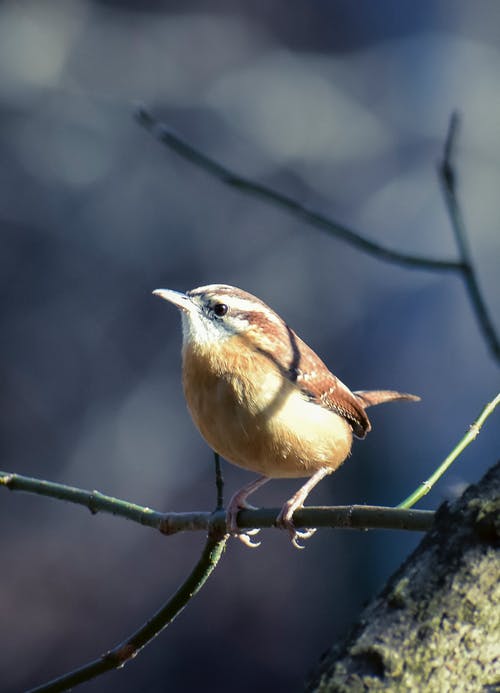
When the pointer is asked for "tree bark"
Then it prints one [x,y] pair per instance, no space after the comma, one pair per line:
[435,627]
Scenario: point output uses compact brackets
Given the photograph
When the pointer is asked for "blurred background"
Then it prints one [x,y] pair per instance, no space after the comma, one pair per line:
[342,105]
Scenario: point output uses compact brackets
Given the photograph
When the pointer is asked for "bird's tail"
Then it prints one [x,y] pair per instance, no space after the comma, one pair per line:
[368,398]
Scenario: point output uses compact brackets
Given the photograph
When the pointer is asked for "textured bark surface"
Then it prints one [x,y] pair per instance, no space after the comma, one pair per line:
[436,625]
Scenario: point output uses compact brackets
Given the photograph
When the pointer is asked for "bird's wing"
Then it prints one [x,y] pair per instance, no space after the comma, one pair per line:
[314,379]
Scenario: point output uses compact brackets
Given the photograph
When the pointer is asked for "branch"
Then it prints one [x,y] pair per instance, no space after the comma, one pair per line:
[447,177]
[219,482]
[349,516]
[471,435]
[249,187]
[129,648]
[352,516]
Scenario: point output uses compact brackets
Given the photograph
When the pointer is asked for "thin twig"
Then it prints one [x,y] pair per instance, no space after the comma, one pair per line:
[219,482]
[349,516]
[471,435]
[448,180]
[245,185]
[129,648]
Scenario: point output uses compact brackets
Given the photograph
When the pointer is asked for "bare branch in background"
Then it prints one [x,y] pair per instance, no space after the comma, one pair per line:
[249,187]
[448,180]
[187,151]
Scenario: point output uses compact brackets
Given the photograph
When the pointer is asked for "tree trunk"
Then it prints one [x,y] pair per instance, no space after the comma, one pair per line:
[436,625]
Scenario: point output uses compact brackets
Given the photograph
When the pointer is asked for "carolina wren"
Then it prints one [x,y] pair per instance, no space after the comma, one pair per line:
[262,398]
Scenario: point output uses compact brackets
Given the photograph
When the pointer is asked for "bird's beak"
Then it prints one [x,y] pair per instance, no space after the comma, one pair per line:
[179,299]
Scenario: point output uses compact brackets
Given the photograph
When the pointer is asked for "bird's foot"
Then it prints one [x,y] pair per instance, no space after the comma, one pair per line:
[234,507]
[237,503]
[285,521]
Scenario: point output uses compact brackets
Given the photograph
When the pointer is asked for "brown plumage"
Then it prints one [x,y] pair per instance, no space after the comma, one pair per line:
[261,397]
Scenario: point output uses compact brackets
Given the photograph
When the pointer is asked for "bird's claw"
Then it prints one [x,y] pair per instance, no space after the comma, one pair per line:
[235,531]
[245,537]
[296,535]
[285,521]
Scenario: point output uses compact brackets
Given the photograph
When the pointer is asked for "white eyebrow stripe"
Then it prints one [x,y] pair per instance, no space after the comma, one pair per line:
[236,299]
[246,305]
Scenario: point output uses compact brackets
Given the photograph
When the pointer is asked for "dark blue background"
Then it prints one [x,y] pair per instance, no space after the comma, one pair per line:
[344,106]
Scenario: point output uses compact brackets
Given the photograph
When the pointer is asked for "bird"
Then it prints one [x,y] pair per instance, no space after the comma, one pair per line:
[263,399]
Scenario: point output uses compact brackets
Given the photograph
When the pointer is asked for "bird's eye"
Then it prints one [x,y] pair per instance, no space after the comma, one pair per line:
[220,309]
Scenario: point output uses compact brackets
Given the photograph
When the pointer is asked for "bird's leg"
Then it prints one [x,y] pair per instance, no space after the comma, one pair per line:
[237,503]
[285,517]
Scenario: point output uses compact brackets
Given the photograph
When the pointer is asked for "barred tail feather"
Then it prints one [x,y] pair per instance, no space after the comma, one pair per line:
[368,398]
